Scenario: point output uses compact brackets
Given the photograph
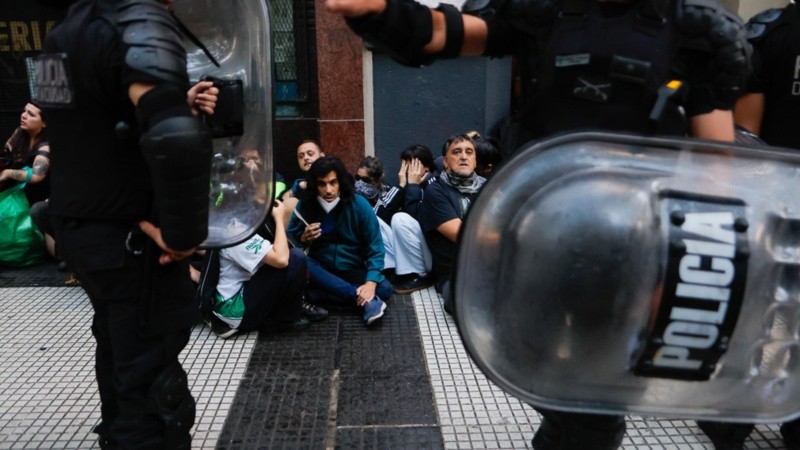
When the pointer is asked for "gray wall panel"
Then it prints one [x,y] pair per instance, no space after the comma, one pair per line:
[427,105]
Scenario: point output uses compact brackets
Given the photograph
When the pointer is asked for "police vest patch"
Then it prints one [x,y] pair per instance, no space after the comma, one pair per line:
[703,287]
[581,59]
[51,85]
[593,89]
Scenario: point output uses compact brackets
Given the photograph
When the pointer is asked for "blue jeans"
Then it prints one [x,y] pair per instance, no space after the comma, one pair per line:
[339,286]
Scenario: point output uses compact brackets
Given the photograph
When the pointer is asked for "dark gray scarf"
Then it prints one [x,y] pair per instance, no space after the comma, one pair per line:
[368,191]
[466,185]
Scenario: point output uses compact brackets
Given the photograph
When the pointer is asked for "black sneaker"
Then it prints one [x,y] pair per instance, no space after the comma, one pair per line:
[220,327]
[413,284]
[448,307]
[102,437]
[313,312]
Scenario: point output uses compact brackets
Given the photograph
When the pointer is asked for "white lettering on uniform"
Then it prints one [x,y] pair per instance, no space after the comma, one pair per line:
[52,82]
[797,67]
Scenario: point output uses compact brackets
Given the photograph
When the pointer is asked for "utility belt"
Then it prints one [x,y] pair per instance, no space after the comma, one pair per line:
[100,244]
[95,246]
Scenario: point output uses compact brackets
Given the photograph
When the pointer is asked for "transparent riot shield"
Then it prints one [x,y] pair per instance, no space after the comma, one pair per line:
[237,35]
[617,274]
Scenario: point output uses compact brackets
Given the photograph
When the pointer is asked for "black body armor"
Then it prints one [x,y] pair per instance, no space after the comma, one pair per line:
[585,70]
[115,184]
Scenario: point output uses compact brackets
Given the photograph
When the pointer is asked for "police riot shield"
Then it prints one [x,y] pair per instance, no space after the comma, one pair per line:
[617,274]
[236,57]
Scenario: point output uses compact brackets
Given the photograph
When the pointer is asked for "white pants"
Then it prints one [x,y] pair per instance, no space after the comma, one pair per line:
[410,252]
[388,244]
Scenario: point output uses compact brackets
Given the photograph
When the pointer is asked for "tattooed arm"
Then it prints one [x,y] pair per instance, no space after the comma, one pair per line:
[41,164]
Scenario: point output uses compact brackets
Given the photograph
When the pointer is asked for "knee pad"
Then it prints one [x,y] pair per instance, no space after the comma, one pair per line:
[173,404]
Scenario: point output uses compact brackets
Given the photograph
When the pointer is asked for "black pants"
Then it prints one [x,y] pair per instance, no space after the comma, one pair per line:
[275,293]
[577,431]
[138,339]
[40,214]
[733,435]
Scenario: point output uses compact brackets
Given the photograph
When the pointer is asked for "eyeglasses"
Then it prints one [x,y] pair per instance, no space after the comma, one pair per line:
[364,179]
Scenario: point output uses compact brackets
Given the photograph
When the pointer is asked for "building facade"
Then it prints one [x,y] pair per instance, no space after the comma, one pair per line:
[328,87]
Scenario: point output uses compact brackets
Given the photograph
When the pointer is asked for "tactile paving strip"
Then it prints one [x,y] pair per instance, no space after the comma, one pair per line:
[338,384]
[45,274]
[411,438]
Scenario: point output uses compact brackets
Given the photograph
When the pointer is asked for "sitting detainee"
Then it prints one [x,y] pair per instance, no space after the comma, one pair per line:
[307,152]
[386,200]
[444,207]
[261,284]
[413,261]
[343,239]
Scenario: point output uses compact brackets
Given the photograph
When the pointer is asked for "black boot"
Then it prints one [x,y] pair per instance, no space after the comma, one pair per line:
[546,437]
[791,434]
[726,436]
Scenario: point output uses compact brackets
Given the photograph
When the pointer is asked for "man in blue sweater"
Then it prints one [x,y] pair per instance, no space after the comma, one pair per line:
[341,233]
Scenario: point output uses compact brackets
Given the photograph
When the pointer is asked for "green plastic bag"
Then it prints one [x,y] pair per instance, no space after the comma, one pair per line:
[21,242]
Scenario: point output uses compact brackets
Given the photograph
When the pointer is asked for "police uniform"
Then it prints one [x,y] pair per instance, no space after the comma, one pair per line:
[590,65]
[110,171]
[644,66]
[603,66]
[775,35]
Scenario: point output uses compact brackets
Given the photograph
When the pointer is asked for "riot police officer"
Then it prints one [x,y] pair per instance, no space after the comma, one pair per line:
[133,162]
[668,67]
[769,108]
[771,104]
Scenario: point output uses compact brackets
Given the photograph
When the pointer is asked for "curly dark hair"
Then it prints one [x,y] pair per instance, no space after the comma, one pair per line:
[322,167]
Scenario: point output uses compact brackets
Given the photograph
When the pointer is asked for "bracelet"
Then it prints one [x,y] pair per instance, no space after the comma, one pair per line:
[29,172]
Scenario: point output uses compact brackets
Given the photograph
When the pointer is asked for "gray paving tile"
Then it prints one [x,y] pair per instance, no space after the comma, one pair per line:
[461,391]
[48,395]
